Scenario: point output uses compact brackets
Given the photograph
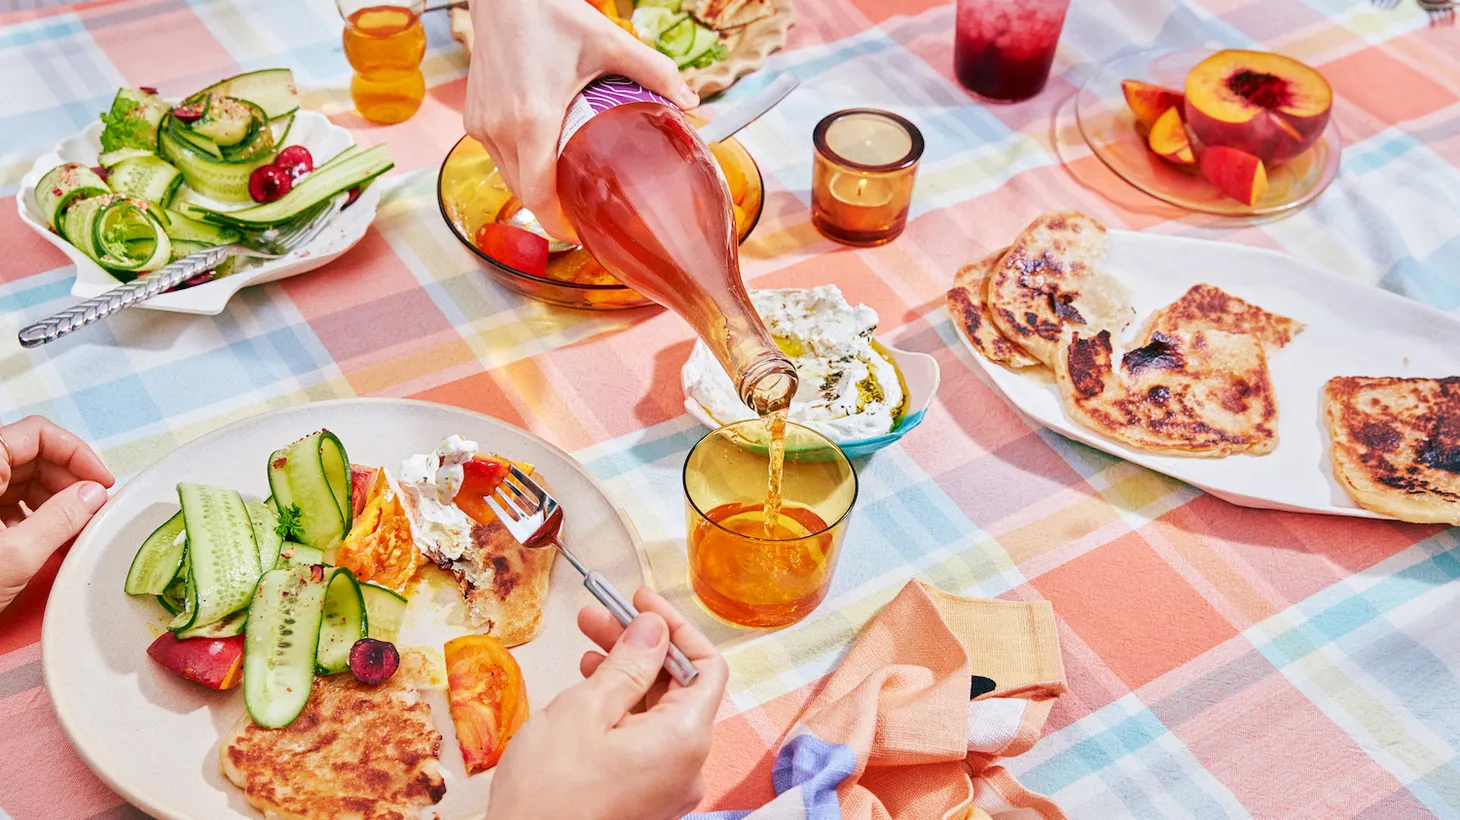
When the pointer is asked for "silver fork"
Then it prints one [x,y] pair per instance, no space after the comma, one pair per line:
[536,520]
[261,246]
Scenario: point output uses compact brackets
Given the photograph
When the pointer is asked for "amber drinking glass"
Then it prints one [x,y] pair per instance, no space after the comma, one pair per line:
[740,572]
[385,42]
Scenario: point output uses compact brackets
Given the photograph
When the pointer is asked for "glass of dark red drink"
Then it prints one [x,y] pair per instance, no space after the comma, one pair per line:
[1003,48]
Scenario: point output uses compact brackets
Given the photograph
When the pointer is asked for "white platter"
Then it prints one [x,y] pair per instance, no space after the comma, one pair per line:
[154,737]
[1352,330]
[311,129]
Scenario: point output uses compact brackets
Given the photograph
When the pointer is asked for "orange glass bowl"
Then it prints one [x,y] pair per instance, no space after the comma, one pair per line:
[470,191]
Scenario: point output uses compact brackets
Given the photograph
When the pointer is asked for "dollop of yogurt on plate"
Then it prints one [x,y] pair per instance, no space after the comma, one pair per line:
[849,390]
[429,483]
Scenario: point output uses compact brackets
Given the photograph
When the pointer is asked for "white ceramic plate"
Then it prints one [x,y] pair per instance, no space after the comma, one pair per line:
[154,737]
[1352,330]
[311,129]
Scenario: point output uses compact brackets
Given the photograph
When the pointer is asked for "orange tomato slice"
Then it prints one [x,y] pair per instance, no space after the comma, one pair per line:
[380,548]
[480,479]
[488,698]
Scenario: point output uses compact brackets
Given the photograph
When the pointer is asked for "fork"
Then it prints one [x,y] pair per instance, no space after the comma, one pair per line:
[260,246]
[535,519]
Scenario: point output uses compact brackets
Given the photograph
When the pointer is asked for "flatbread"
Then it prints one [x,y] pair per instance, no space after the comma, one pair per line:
[971,317]
[1395,444]
[727,14]
[506,584]
[1208,306]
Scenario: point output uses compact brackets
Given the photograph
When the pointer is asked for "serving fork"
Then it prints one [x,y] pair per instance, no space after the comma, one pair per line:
[535,519]
[263,245]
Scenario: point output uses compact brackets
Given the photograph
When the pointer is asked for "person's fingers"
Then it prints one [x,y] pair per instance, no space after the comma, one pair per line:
[685,635]
[27,544]
[625,676]
[537,172]
[623,54]
[590,662]
[595,622]
[35,437]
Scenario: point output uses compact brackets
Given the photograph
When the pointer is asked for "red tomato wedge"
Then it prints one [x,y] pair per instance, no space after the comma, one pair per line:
[488,698]
[480,478]
[514,247]
[361,480]
[216,663]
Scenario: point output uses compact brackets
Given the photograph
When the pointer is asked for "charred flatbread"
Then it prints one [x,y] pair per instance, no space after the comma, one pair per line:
[1395,444]
[727,14]
[971,317]
[1208,306]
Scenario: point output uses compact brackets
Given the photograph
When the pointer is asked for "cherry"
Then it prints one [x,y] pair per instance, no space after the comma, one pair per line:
[354,195]
[147,89]
[372,662]
[101,172]
[296,161]
[188,113]
[268,182]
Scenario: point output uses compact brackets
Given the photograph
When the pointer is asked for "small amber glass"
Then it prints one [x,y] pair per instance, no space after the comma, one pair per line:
[736,571]
[862,182]
[385,42]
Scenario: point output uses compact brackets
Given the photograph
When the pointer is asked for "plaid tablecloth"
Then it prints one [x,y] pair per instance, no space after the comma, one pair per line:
[1223,662]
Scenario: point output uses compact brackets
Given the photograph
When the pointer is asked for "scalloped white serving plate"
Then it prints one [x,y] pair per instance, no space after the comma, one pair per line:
[1351,329]
[154,738]
[311,129]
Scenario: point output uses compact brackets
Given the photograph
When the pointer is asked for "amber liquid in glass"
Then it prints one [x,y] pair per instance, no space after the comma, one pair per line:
[784,577]
[384,45]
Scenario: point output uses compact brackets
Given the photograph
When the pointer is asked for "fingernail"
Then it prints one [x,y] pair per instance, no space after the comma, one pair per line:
[689,96]
[93,495]
[644,631]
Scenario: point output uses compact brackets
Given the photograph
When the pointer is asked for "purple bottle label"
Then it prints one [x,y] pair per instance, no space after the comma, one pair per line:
[602,94]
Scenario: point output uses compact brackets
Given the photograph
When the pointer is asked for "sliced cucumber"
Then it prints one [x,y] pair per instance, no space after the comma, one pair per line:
[228,627]
[271,89]
[343,624]
[226,121]
[186,597]
[705,40]
[298,555]
[130,238]
[384,611]
[158,559]
[313,474]
[678,37]
[147,177]
[265,522]
[280,128]
[319,186]
[180,226]
[279,651]
[223,557]
[110,158]
[64,184]
[260,139]
[174,599]
[79,222]
[672,5]
[208,175]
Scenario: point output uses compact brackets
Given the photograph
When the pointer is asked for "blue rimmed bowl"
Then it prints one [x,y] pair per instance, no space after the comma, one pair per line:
[920,373]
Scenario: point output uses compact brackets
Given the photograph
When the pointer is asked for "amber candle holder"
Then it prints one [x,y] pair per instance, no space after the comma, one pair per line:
[861,185]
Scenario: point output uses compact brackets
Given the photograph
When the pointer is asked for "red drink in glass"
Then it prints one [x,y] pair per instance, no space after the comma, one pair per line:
[1003,48]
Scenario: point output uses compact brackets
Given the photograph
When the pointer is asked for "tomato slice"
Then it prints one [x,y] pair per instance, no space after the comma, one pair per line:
[488,698]
[379,547]
[361,480]
[514,247]
[480,478]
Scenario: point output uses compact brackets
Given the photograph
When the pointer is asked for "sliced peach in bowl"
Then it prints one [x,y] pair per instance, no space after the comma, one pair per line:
[1266,105]
[1168,138]
[1237,174]
[1149,101]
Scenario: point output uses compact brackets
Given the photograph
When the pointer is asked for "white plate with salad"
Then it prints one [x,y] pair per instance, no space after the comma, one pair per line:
[153,735]
[155,180]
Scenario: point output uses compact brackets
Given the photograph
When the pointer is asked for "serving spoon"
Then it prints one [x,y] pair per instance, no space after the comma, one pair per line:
[722,128]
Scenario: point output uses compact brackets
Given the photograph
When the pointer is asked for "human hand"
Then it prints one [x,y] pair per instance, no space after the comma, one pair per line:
[529,59]
[50,486]
[587,756]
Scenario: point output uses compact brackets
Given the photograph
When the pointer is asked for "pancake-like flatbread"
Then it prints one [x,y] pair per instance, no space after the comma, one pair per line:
[727,14]
[1199,392]
[971,317]
[357,752]
[1395,444]
[1207,306]
[505,584]
[1049,280]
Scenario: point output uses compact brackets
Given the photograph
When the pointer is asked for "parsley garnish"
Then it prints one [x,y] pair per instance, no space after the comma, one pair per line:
[288,527]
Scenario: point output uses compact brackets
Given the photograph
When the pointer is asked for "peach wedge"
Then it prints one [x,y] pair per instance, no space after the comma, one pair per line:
[1168,138]
[1267,105]
[1237,174]
[1149,101]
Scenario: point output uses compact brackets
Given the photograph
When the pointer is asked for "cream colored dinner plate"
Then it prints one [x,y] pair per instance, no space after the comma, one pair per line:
[154,737]
[1352,330]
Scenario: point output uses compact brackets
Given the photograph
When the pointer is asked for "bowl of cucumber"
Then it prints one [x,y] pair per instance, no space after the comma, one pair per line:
[157,180]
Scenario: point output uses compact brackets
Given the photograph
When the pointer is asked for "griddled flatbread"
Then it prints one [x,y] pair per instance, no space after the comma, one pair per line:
[505,584]
[1207,306]
[1395,444]
[971,318]
[1049,280]
[357,752]
[1198,392]
[727,14]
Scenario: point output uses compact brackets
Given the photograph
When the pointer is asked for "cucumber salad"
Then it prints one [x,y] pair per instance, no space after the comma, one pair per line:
[251,594]
[173,179]
[664,25]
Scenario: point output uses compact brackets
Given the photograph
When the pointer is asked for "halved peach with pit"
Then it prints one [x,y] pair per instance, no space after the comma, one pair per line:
[1149,101]
[1237,174]
[1266,105]
[1168,138]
